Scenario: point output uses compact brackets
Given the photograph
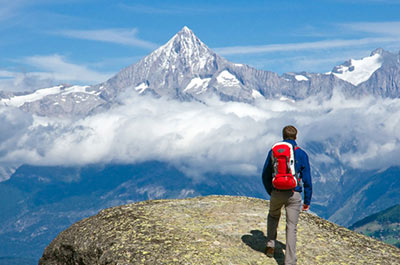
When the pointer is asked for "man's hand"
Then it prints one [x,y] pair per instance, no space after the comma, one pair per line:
[305,207]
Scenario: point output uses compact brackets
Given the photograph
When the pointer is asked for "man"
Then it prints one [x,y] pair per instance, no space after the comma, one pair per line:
[291,199]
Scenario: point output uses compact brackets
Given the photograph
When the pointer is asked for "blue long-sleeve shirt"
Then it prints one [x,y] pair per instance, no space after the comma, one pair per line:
[302,167]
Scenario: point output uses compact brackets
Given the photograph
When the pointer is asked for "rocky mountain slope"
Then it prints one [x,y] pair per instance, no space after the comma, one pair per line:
[361,194]
[384,225]
[206,230]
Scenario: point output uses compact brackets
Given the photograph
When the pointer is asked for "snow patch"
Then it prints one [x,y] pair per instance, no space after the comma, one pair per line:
[301,78]
[198,83]
[18,101]
[227,79]
[256,94]
[77,89]
[359,70]
[141,87]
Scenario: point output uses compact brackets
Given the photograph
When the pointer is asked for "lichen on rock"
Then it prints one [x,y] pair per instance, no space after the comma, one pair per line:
[206,230]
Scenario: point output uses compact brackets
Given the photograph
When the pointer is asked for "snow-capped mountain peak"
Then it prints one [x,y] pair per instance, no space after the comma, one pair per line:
[183,48]
[358,71]
[379,51]
[173,70]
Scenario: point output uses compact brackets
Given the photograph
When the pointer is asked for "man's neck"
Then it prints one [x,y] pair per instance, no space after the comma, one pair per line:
[293,142]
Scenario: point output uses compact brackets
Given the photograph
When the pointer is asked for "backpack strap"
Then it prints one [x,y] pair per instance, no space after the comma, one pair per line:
[297,173]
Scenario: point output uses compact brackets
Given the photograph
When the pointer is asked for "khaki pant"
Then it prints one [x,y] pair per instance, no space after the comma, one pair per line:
[292,202]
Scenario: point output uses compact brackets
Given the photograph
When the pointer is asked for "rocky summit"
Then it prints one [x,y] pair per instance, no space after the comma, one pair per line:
[206,230]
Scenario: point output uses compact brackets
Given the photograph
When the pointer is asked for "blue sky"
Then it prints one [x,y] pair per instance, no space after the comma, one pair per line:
[47,42]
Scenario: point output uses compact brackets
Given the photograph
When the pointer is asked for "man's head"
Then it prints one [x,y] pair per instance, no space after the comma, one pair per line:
[289,133]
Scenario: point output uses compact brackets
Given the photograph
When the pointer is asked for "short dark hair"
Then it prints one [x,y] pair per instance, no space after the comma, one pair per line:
[289,132]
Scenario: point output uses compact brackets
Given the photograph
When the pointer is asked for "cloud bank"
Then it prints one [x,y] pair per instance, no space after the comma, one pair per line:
[224,137]
[118,36]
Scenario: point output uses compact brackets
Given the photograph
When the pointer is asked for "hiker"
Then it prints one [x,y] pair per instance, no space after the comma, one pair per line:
[286,190]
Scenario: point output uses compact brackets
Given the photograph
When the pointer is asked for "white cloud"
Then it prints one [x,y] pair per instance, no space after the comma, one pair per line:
[118,36]
[389,28]
[6,74]
[316,45]
[55,66]
[146,9]
[219,137]
[51,70]
[181,9]
[21,81]
[337,44]
[10,9]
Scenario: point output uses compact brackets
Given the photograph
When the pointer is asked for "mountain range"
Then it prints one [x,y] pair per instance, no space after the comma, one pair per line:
[186,69]
[40,200]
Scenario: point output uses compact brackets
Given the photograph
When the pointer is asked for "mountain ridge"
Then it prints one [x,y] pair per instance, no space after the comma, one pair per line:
[186,69]
[383,225]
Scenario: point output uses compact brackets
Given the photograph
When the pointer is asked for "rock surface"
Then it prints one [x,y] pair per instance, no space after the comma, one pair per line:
[206,230]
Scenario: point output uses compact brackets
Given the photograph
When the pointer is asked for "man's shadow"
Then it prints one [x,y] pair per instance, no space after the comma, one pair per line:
[258,241]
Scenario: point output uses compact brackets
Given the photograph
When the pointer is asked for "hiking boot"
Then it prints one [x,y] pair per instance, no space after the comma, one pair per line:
[270,252]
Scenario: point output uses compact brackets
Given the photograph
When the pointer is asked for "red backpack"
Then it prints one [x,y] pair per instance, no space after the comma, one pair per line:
[284,175]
